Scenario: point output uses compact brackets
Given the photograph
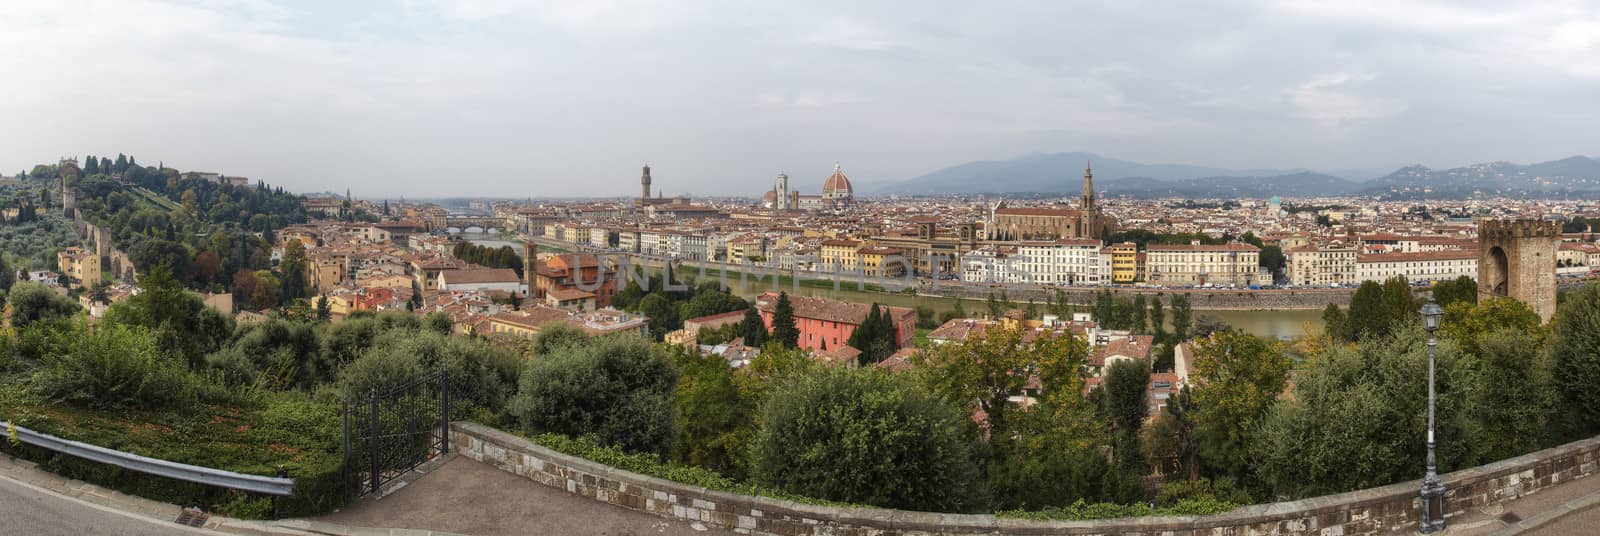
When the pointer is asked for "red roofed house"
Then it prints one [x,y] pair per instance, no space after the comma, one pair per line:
[576,272]
[824,321]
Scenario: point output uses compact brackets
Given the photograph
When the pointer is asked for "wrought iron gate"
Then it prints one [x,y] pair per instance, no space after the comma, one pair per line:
[395,430]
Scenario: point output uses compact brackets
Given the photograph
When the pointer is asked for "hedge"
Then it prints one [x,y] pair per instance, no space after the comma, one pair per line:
[283,430]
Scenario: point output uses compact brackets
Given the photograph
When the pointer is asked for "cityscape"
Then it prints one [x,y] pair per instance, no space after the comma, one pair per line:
[592,290]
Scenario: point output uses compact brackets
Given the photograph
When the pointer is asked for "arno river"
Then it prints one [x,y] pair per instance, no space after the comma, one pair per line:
[1277,324]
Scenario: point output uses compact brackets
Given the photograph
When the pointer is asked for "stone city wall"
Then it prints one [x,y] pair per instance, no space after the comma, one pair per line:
[1385,510]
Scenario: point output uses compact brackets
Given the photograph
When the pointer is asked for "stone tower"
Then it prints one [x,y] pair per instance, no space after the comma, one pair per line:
[782,188]
[530,265]
[69,199]
[1517,259]
[1086,202]
[644,183]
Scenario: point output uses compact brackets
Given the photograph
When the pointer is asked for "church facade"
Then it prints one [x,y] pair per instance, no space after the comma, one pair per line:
[1008,224]
[837,192]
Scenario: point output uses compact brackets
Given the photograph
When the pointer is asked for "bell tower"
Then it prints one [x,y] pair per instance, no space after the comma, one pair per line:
[644,184]
[1086,201]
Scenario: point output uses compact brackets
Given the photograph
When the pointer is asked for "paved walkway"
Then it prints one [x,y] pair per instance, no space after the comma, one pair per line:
[1540,513]
[467,497]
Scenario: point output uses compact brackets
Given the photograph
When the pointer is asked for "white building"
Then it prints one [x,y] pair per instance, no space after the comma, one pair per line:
[989,264]
[1060,262]
[1311,266]
[1199,264]
[1417,267]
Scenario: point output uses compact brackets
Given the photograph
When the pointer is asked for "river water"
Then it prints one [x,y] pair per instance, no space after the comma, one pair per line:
[1276,324]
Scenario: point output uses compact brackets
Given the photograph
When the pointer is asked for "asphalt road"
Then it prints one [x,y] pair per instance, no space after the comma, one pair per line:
[24,510]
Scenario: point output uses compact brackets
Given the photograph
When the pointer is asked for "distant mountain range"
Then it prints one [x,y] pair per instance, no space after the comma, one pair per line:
[1061,173]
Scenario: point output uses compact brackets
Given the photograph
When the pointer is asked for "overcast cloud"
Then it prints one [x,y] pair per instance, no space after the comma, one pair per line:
[537,98]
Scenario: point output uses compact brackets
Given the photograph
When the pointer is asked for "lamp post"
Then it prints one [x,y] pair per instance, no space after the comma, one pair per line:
[1432,488]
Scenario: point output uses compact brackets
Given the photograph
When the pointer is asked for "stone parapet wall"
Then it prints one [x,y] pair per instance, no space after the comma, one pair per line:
[1384,510]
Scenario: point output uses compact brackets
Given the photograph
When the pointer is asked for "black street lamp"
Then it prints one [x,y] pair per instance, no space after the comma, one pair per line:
[1432,488]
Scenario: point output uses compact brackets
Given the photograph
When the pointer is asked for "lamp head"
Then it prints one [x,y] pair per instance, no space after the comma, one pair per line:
[1431,315]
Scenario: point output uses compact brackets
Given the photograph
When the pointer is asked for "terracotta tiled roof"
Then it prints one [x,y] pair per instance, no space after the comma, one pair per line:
[826,309]
[1446,255]
[487,275]
[1060,212]
[1236,246]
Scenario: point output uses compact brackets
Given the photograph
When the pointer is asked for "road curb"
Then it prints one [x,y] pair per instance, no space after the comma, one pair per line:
[1547,517]
[28,475]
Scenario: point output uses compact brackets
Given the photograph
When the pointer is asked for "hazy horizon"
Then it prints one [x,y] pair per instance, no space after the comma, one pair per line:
[516,99]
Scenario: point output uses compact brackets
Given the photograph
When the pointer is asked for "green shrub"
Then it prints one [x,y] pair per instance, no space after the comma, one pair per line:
[618,388]
[114,367]
[869,437]
[480,373]
[590,448]
[1082,511]
[33,302]
[283,430]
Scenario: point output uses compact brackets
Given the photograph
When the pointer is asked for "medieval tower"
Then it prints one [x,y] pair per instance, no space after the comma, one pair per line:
[1517,260]
[644,184]
[69,200]
[530,264]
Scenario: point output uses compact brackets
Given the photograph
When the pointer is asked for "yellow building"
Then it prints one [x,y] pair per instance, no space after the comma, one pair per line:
[871,261]
[80,265]
[524,324]
[1124,262]
[839,255]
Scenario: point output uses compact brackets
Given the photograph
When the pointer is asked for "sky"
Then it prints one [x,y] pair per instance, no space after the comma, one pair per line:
[511,98]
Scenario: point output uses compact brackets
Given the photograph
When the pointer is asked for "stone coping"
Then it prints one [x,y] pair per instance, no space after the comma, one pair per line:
[1336,507]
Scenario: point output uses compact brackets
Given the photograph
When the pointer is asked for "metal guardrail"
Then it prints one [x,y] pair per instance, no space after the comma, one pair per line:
[265,485]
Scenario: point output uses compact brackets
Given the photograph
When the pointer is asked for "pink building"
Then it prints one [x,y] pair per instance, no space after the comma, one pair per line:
[822,321]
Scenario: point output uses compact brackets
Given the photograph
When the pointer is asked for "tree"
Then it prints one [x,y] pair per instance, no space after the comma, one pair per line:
[783,326]
[714,421]
[265,296]
[8,275]
[180,320]
[160,253]
[619,389]
[1182,317]
[983,373]
[34,302]
[1359,416]
[1171,442]
[1460,289]
[663,315]
[1335,324]
[324,308]
[206,267]
[868,437]
[1238,376]
[1126,404]
[1575,352]
[244,288]
[752,329]
[1514,393]
[865,335]
[1272,258]
[1158,319]
[294,271]
[1139,317]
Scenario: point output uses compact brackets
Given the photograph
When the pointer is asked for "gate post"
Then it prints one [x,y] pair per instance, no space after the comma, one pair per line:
[444,387]
[373,440]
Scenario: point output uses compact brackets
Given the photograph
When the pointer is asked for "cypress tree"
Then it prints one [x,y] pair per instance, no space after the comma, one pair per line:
[783,328]
[752,329]
[864,335]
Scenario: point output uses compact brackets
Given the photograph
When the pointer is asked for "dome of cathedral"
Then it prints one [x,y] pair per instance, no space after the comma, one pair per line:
[837,184]
[770,198]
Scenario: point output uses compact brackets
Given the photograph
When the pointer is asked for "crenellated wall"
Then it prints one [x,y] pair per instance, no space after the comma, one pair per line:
[1384,510]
